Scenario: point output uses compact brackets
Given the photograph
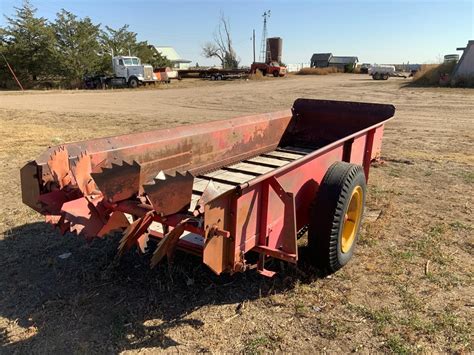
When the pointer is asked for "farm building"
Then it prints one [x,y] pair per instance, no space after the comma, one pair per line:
[173,56]
[465,66]
[322,60]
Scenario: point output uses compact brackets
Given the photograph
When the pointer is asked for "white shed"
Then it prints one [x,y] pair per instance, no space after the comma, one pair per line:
[465,66]
[173,56]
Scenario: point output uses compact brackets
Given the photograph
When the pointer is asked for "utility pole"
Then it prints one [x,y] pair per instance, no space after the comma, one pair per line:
[263,51]
[253,37]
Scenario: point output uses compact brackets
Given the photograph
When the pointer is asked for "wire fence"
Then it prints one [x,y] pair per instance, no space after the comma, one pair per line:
[296,67]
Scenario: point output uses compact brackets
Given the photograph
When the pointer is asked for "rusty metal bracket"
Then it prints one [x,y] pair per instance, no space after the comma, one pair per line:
[289,249]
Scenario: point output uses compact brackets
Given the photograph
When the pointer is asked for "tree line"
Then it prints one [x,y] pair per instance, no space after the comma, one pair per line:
[63,51]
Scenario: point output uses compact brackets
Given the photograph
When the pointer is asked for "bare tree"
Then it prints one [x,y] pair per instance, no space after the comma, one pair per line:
[221,47]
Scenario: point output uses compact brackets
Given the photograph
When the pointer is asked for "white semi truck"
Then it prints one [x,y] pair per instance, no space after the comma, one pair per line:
[127,71]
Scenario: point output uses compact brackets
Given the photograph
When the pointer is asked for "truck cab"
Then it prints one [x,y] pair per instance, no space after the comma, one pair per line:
[273,68]
[129,70]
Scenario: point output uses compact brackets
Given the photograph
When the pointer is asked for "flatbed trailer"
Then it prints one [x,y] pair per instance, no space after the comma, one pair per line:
[215,73]
[221,190]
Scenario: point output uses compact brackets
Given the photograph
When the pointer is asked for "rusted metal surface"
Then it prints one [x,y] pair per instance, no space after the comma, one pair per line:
[118,181]
[168,244]
[58,164]
[244,184]
[169,194]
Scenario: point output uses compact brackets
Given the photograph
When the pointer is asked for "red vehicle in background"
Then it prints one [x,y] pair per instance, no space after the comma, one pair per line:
[273,68]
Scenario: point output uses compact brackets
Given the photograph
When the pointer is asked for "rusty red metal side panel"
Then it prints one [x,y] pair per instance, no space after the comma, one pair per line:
[377,145]
[253,220]
[358,150]
[212,144]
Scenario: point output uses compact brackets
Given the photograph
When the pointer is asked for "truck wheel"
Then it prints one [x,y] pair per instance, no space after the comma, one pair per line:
[218,77]
[213,77]
[384,76]
[133,82]
[276,73]
[336,216]
[376,76]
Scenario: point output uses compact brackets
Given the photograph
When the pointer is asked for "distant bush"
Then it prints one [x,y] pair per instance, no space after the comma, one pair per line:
[258,75]
[318,71]
[440,75]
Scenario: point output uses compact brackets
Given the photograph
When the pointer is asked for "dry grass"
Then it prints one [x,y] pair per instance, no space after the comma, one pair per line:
[318,71]
[439,74]
[430,74]
[408,289]
[257,76]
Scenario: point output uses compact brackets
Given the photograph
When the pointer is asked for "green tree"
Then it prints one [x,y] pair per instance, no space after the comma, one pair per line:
[29,43]
[124,42]
[78,47]
[149,55]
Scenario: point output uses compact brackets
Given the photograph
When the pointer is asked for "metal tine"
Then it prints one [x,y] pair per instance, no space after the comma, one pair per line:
[81,170]
[52,219]
[116,221]
[63,225]
[209,193]
[83,217]
[133,232]
[58,163]
[118,182]
[167,245]
[170,193]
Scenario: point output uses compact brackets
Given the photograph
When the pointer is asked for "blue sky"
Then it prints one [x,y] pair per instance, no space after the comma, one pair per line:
[397,31]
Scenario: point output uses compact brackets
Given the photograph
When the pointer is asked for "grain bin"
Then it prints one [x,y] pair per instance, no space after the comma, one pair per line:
[274,48]
[449,58]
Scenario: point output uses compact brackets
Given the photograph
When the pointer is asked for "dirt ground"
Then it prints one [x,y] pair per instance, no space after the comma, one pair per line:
[409,287]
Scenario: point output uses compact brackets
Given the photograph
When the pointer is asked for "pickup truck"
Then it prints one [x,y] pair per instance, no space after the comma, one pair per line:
[272,68]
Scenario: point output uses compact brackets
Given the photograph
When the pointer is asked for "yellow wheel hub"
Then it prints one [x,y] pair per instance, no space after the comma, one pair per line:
[352,219]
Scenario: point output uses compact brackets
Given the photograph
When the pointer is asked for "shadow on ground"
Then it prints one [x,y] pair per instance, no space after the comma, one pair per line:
[89,302]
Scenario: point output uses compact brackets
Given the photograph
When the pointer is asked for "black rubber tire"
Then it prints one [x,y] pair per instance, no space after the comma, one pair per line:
[133,83]
[327,216]
[384,76]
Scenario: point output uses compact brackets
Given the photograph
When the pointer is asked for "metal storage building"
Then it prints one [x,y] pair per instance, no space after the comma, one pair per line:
[465,66]
[320,60]
[173,56]
[344,63]
[323,60]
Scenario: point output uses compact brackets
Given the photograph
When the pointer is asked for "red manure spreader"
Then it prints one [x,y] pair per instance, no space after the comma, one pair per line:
[221,189]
